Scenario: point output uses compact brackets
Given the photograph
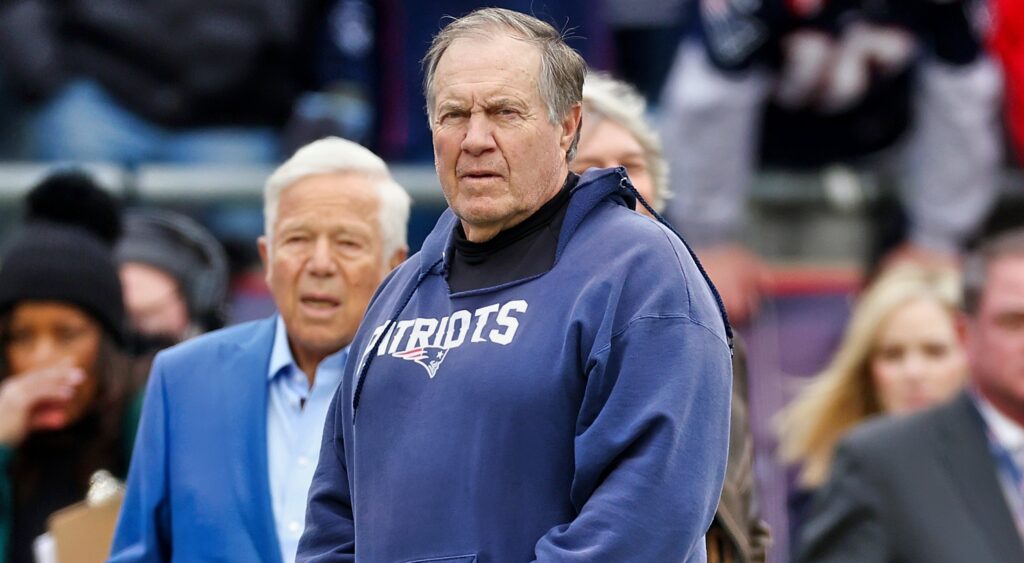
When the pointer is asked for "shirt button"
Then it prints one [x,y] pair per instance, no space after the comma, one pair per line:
[294,527]
[303,460]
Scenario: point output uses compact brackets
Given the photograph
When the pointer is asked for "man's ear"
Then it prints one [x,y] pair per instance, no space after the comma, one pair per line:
[571,124]
[263,246]
[961,322]
[397,258]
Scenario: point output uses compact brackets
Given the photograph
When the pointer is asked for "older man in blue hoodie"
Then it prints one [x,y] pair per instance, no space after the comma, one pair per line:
[549,378]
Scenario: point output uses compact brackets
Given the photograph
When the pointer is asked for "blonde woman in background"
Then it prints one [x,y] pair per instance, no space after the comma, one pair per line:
[901,352]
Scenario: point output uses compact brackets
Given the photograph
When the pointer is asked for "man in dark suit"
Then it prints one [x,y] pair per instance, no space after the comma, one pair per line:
[945,485]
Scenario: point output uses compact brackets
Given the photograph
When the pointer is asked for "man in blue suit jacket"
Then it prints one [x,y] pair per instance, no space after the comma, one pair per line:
[232,421]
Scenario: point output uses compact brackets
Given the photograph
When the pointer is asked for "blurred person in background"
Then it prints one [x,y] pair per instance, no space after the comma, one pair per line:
[900,353]
[944,485]
[616,133]
[810,83]
[175,277]
[67,392]
[180,81]
[232,420]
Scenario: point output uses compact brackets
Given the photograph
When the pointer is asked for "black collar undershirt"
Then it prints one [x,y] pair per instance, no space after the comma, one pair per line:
[521,251]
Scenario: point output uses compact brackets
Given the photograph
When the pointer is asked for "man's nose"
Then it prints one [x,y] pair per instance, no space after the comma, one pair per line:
[479,134]
[322,262]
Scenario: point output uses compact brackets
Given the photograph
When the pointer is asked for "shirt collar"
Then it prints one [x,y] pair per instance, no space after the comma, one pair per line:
[1007,432]
[281,354]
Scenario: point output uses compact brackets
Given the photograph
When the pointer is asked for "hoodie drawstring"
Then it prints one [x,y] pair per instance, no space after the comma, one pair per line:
[625,184]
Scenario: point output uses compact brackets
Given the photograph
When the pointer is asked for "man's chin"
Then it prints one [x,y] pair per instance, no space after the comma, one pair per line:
[477,186]
[321,342]
[480,212]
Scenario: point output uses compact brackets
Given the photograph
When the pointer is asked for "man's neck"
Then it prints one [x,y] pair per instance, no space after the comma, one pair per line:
[485,233]
[1009,409]
[308,361]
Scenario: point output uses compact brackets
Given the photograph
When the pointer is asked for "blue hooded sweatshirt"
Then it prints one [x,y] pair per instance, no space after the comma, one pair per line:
[578,415]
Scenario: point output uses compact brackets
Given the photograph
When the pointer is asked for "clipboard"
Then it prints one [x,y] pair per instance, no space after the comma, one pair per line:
[83,532]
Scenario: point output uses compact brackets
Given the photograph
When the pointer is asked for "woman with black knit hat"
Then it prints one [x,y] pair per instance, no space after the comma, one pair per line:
[66,389]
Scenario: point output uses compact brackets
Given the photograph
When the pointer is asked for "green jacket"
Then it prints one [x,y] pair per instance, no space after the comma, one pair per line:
[129,426]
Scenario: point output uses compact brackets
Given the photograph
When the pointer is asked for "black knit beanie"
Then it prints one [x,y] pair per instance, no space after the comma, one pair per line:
[66,261]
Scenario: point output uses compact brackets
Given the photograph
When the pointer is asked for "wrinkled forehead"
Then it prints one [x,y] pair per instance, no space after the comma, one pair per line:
[480,56]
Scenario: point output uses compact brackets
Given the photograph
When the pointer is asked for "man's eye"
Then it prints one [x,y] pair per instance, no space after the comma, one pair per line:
[1011,321]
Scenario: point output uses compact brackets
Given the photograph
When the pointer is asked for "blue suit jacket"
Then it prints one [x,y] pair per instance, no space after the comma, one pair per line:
[198,488]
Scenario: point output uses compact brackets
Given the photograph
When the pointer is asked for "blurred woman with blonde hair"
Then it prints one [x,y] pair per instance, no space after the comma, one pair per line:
[901,352]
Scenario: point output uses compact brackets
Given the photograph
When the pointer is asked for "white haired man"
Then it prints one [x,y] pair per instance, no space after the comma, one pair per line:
[548,378]
[232,420]
[617,134]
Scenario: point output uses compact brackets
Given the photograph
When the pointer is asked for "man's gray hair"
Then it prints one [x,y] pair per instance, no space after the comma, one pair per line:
[607,98]
[978,261]
[561,68]
[333,155]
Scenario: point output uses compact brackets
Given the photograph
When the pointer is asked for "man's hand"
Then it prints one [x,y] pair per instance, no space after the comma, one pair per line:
[35,400]
[740,276]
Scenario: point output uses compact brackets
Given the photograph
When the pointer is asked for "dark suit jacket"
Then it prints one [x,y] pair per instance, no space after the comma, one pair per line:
[923,487]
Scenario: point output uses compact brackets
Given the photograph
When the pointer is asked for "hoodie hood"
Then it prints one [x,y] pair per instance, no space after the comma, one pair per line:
[594,186]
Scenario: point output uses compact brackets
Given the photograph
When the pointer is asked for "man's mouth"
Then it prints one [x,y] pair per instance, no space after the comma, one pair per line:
[479,174]
[320,301]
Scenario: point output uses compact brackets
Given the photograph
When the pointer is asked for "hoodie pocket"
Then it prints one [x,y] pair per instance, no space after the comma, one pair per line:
[449,559]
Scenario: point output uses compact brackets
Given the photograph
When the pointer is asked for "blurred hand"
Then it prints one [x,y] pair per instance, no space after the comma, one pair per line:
[35,401]
[909,253]
[740,276]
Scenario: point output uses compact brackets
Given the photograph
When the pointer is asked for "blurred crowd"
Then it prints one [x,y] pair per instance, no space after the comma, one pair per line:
[694,98]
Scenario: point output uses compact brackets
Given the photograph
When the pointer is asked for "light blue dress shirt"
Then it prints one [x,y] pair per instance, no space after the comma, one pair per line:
[295,425]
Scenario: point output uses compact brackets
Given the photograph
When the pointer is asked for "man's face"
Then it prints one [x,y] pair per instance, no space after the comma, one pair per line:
[995,337]
[606,144]
[324,260]
[498,156]
[153,301]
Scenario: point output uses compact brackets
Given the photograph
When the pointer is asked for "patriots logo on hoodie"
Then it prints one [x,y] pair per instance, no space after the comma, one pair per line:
[427,341]
[430,357]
